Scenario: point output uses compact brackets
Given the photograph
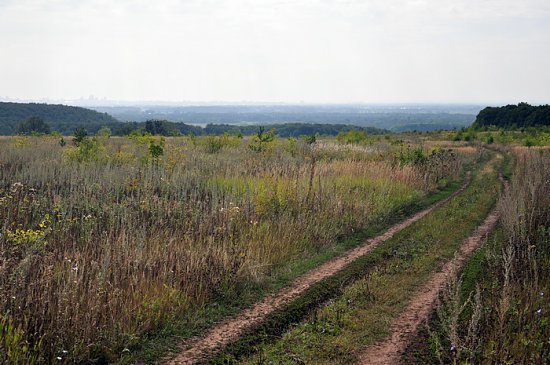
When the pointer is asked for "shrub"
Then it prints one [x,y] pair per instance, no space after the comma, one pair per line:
[261,140]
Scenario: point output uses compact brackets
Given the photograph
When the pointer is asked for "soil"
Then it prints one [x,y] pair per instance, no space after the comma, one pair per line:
[199,349]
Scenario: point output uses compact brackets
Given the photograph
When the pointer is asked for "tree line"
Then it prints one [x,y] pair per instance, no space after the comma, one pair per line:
[518,116]
[36,125]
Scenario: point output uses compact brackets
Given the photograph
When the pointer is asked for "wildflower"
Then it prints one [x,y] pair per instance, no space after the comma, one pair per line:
[65,351]
[541,294]
[539,311]
[75,268]
[59,358]
[453,348]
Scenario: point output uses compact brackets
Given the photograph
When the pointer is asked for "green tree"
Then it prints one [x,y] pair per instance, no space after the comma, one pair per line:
[33,125]
[261,140]
[80,135]
[104,132]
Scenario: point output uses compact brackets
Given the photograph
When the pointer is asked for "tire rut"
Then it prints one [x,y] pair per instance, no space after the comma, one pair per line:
[199,349]
[405,326]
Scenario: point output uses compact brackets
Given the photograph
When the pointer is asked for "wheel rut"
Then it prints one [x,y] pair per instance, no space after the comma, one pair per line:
[199,349]
[405,326]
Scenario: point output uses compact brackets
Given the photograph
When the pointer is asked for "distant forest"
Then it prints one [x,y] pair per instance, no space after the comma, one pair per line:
[43,118]
[166,128]
[394,118]
[60,118]
[522,115]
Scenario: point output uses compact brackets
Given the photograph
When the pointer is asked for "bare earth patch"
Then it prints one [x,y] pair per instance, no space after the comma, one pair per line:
[201,348]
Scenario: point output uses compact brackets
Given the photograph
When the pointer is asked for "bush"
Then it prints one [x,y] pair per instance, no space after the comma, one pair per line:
[352,137]
[261,140]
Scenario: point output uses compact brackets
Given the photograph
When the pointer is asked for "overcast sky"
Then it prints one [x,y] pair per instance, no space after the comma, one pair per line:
[277,50]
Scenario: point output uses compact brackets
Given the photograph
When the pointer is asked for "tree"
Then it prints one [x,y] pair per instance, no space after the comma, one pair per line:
[104,132]
[80,135]
[261,140]
[33,125]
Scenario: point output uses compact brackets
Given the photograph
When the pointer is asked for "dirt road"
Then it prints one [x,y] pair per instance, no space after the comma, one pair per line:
[403,328]
[198,349]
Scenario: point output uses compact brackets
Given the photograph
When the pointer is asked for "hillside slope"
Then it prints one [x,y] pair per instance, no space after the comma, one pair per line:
[61,118]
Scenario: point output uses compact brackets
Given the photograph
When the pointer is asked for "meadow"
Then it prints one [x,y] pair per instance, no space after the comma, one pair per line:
[496,310]
[106,241]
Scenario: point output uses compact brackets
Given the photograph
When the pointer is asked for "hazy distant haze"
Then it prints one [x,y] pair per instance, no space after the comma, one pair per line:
[268,50]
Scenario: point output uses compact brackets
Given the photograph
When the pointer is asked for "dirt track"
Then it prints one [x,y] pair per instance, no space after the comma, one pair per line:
[199,349]
[403,328]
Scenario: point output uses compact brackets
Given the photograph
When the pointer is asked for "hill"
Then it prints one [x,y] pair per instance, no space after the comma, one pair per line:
[66,119]
[61,118]
[513,116]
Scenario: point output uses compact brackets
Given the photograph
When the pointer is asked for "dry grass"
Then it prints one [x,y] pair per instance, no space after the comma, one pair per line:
[504,310]
[95,254]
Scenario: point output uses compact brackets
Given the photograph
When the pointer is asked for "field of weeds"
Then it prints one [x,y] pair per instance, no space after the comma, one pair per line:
[496,311]
[105,240]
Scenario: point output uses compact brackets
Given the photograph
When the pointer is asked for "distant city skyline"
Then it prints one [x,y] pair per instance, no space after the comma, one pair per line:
[274,51]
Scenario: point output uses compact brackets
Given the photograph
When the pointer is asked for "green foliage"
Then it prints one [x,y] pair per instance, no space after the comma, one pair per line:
[156,150]
[104,132]
[513,116]
[311,139]
[161,127]
[467,135]
[412,156]
[87,149]
[289,129]
[80,135]
[528,142]
[192,138]
[33,126]
[261,140]
[14,347]
[61,118]
[214,144]
[352,137]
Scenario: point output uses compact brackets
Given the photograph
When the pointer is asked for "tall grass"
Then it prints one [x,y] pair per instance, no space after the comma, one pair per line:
[498,313]
[100,247]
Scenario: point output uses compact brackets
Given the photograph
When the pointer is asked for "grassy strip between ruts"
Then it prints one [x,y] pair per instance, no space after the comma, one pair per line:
[370,291]
[158,343]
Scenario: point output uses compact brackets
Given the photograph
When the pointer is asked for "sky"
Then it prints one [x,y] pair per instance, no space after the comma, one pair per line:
[313,51]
